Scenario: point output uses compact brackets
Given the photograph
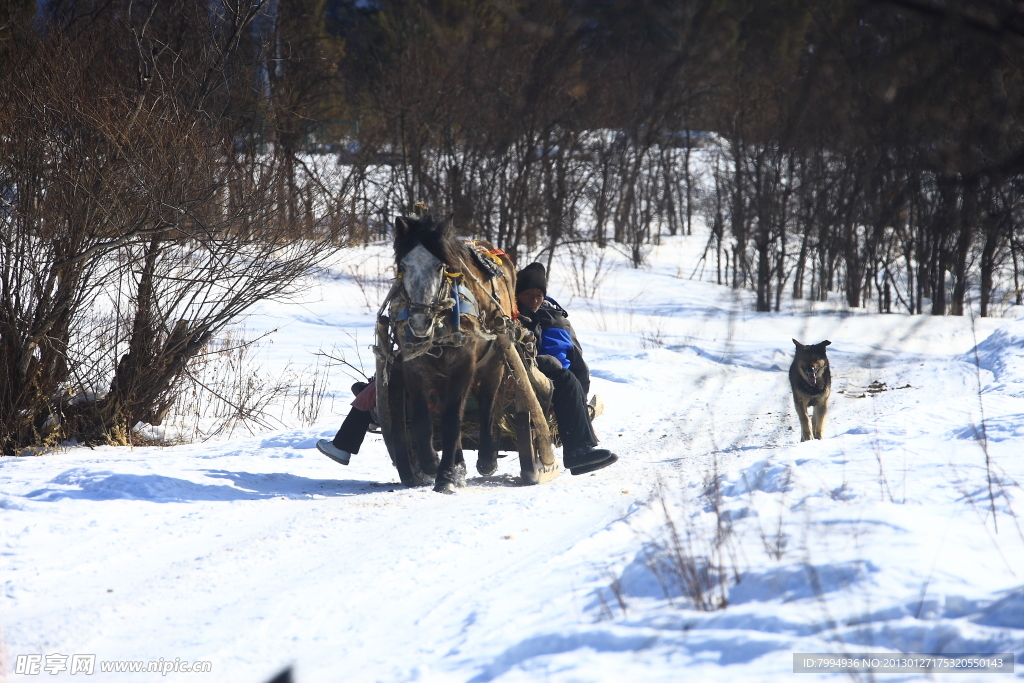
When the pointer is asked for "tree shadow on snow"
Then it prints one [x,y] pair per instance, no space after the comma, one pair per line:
[275,484]
[86,484]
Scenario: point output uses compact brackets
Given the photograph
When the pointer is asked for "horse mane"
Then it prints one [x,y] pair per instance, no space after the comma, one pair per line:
[435,236]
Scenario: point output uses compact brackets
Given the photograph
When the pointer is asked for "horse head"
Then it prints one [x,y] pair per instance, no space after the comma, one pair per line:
[423,247]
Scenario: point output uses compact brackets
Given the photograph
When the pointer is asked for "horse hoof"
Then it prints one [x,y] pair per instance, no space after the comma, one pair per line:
[446,487]
[459,474]
[430,467]
[417,480]
[486,467]
[452,478]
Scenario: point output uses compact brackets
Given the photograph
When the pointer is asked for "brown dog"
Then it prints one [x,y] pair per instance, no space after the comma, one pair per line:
[811,380]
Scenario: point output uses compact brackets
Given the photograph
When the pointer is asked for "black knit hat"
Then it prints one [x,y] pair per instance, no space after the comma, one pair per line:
[532,277]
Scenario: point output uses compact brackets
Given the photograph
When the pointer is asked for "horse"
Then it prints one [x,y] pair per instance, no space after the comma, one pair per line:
[453,295]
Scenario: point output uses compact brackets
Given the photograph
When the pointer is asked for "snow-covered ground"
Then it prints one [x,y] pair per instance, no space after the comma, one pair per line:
[895,533]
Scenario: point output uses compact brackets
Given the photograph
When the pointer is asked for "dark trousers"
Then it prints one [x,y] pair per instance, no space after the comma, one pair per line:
[353,429]
[570,406]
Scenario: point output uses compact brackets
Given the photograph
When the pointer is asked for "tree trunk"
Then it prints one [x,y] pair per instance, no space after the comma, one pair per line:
[967,216]
[1019,294]
[801,263]
[987,267]
[739,221]
[764,273]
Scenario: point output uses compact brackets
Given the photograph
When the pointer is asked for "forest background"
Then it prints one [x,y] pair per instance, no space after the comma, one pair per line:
[166,165]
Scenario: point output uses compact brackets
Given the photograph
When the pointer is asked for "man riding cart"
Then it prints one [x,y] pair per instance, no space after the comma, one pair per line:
[560,358]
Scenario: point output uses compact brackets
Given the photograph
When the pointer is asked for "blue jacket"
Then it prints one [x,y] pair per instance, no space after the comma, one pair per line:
[556,338]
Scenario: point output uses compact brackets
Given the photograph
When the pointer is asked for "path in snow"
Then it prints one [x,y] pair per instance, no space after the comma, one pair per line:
[258,552]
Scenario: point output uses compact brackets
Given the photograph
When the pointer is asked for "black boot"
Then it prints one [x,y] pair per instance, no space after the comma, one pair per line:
[576,471]
[588,455]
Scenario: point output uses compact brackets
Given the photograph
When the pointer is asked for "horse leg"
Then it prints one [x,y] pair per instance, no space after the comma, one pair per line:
[451,473]
[487,454]
[422,424]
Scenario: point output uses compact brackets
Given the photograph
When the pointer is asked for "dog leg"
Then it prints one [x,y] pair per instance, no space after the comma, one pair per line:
[805,424]
[820,412]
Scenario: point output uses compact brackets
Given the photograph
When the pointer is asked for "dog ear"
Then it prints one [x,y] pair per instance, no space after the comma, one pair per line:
[824,344]
[798,344]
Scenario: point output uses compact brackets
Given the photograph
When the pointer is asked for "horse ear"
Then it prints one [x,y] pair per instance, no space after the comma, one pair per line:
[445,226]
[401,227]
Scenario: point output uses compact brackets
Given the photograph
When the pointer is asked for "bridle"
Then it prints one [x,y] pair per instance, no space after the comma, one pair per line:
[442,299]
[446,301]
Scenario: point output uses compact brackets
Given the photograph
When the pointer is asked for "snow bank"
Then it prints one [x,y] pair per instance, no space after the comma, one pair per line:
[897,532]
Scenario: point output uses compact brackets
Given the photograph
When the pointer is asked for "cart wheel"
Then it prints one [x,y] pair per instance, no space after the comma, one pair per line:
[391,395]
[392,408]
[533,451]
[524,440]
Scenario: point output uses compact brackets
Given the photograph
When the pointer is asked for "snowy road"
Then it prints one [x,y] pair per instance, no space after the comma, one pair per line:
[257,552]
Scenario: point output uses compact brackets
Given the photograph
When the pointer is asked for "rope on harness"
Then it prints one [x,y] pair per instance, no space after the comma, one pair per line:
[457,308]
[494,298]
[383,348]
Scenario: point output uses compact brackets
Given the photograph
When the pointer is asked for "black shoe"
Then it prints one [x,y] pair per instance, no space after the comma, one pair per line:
[588,455]
[576,471]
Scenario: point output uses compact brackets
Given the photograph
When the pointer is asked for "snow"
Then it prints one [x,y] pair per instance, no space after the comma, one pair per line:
[897,532]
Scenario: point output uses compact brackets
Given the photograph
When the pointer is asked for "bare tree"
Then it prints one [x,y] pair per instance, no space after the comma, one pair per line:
[133,200]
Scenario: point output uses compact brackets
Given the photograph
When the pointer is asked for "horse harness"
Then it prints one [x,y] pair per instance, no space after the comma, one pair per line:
[454,299]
